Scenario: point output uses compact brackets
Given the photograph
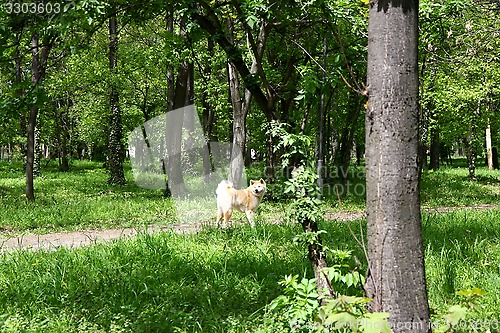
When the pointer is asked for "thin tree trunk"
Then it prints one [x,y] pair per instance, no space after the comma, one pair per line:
[470,144]
[489,154]
[239,128]
[64,135]
[346,142]
[37,153]
[30,149]
[471,154]
[318,261]
[321,129]
[239,121]
[30,154]
[38,62]
[435,150]
[20,91]
[396,276]
[116,149]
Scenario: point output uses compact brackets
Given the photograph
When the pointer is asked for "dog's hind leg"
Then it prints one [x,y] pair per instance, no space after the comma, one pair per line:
[220,214]
[227,216]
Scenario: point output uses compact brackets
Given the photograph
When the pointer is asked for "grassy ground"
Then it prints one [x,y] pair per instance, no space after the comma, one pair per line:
[217,280]
[77,200]
[447,187]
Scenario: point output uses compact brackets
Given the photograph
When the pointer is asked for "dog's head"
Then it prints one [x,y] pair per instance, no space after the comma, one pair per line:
[258,187]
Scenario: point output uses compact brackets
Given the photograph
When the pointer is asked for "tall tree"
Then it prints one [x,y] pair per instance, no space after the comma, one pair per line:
[116,149]
[39,56]
[396,277]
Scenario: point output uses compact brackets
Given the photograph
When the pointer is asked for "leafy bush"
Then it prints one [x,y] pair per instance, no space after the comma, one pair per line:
[302,309]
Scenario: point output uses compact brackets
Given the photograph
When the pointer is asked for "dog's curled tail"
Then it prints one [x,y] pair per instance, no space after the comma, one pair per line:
[223,186]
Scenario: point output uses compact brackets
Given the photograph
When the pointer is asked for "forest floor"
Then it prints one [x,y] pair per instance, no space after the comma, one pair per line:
[76,239]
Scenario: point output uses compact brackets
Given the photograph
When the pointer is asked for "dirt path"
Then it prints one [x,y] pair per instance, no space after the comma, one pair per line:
[83,238]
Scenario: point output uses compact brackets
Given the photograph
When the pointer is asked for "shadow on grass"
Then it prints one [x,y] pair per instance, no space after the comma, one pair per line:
[452,187]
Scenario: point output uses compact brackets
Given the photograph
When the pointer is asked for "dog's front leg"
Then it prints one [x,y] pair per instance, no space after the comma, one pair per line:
[250,215]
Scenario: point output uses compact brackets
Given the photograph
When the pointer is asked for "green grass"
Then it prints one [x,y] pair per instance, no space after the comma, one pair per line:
[447,187]
[217,280]
[450,186]
[462,252]
[78,199]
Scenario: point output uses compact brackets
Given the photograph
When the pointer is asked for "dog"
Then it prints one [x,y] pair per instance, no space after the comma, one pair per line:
[245,201]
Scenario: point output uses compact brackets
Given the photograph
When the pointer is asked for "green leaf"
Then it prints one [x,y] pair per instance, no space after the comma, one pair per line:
[455,314]
[278,302]
[472,292]
[375,322]
[342,320]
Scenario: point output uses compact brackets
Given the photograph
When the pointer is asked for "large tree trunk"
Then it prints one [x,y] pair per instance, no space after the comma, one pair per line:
[396,277]
[116,149]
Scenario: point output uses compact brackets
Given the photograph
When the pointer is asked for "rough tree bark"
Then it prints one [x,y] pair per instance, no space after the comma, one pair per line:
[396,276]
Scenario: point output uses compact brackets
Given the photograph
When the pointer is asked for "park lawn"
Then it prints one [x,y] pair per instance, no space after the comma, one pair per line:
[220,280]
[217,280]
[80,199]
[447,187]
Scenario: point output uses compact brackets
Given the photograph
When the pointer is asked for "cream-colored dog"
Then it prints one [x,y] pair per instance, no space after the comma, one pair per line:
[245,201]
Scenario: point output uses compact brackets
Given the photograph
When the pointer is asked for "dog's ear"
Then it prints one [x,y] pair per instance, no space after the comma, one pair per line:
[252,182]
[262,181]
